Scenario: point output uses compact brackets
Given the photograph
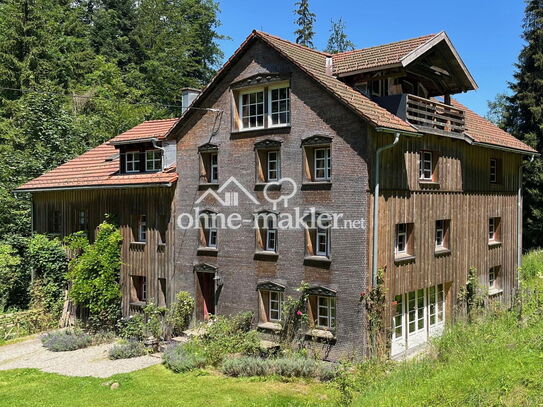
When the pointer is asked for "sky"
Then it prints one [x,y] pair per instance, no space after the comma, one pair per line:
[486,33]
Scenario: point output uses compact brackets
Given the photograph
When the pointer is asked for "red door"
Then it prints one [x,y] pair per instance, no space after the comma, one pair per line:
[206,290]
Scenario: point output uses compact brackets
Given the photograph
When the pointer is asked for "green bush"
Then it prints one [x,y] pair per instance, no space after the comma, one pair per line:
[48,260]
[228,335]
[284,367]
[132,327]
[68,340]
[180,312]
[127,350]
[9,262]
[185,357]
[246,367]
[94,275]
[532,265]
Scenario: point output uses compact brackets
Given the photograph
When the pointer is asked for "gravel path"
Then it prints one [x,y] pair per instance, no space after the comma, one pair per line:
[92,361]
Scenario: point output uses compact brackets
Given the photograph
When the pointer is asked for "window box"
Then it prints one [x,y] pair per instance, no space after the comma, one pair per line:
[207,251]
[266,255]
[495,291]
[317,260]
[404,257]
[317,186]
[442,251]
[320,334]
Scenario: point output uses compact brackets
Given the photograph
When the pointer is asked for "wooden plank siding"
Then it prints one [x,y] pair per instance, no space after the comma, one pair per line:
[463,195]
[153,259]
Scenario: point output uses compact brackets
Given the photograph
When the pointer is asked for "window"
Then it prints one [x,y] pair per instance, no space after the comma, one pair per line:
[271,237]
[252,109]
[323,164]
[132,161]
[426,166]
[271,302]
[142,228]
[208,230]
[272,164]
[153,160]
[493,278]
[397,319]
[209,164]
[326,312]
[138,289]
[317,164]
[323,242]
[274,307]
[494,230]
[494,171]
[214,163]
[404,240]
[442,234]
[267,232]
[56,222]
[82,220]
[279,102]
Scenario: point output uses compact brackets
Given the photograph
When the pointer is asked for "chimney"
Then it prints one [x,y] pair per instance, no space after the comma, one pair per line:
[187,97]
[329,65]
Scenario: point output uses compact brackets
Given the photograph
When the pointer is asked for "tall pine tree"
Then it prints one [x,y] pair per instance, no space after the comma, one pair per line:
[305,20]
[524,118]
[338,41]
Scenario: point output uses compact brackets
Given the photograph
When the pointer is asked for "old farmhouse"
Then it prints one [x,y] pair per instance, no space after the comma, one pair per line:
[373,135]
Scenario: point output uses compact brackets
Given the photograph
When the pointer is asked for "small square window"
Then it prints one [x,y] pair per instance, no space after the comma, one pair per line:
[442,234]
[428,166]
[494,230]
[153,160]
[403,245]
[132,161]
[494,278]
[138,289]
[495,168]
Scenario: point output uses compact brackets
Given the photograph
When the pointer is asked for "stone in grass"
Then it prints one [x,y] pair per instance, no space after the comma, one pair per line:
[114,386]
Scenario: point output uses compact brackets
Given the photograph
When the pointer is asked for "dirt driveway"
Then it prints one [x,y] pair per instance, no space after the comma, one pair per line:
[92,361]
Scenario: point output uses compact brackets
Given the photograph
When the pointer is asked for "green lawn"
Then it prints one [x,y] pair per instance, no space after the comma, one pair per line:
[157,387]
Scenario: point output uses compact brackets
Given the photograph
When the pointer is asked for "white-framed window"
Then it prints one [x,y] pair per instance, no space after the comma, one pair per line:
[322,164]
[153,160]
[436,305]
[132,161]
[323,242]
[279,106]
[142,228]
[426,166]
[139,289]
[440,233]
[212,237]
[273,165]
[401,238]
[251,108]
[271,236]
[397,319]
[213,167]
[326,312]
[274,305]
[492,275]
[493,170]
[493,229]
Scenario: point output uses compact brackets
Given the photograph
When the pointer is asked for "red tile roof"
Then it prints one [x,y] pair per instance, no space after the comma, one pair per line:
[314,64]
[146,130]
[375,57]
[99,167]
[484,131]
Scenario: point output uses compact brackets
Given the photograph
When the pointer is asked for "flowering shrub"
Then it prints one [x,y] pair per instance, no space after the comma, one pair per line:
[185,357]
[68,340]
[180,312]
[126,350]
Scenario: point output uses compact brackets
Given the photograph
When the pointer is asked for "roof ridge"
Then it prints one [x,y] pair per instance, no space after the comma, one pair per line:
[385,44]
[326,54]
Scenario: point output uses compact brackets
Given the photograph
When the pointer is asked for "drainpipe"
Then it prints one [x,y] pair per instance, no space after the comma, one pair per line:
[376,207]
[519,220]
[155,145]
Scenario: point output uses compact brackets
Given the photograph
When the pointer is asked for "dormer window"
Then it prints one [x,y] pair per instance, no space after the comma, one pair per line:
[132,161]
[263,101]
[153,160]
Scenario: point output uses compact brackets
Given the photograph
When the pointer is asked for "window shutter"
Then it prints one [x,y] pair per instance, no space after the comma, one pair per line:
[312,310]
[309,240]
[435,166]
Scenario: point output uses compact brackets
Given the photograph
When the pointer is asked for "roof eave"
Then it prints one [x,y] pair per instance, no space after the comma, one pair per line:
[135,141]
[421,49]
[508,149]
[371,69]
[87,187]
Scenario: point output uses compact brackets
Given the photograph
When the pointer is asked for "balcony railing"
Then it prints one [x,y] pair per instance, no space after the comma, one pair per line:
[428,115]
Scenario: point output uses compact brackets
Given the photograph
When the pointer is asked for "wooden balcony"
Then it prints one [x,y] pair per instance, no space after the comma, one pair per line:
[429,116]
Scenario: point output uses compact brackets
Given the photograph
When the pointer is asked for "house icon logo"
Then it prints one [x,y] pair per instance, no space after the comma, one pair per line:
[229,199]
